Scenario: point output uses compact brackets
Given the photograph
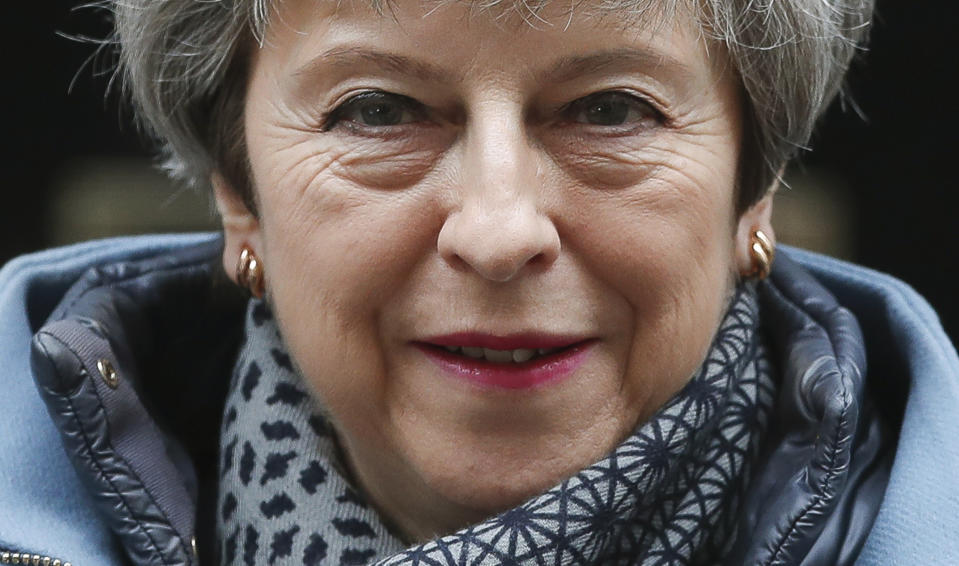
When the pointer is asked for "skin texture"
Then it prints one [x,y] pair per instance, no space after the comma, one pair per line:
[498,204]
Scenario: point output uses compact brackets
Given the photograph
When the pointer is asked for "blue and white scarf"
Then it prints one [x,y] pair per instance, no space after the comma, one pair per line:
[669,494]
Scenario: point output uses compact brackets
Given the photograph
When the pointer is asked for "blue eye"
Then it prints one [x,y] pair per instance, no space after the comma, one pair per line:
[376,109]
[610,108]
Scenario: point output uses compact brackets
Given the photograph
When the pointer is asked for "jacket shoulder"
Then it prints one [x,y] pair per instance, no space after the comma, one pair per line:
[46,511]
[909,355]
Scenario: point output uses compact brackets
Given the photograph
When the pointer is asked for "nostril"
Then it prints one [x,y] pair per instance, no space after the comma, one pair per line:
[544,262]
[538,262]
[457,262]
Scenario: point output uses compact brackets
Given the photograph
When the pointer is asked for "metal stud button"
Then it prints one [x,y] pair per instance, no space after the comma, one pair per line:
[109,374]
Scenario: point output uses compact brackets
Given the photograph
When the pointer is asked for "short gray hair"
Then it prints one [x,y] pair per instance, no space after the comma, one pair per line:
[184,65]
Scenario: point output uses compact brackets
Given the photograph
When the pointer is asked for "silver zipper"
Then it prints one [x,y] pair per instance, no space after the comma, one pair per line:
[30,559]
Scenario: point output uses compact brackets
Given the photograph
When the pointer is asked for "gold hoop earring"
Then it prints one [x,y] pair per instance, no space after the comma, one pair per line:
[249,272]
[761,252]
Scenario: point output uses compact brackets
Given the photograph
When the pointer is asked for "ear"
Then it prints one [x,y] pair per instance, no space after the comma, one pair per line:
[757,217]
[240,227]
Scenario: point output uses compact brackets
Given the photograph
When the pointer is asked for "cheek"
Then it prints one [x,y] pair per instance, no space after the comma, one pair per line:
[673,225]
[339,219]
[665,244]
[334,256]
[339,237]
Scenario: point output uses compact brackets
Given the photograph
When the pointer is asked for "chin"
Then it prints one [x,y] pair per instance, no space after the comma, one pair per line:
[489,492]
[490,474]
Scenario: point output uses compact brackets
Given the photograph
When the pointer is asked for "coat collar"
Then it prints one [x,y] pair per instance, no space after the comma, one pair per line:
[117,311]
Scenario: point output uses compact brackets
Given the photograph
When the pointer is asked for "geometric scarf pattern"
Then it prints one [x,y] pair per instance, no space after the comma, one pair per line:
[668,494]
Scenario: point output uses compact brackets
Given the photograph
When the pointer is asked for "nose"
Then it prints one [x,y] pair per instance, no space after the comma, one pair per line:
[499,230]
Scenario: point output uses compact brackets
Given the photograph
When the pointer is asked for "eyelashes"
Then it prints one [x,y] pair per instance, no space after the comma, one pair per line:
[375,110]
[610,109]
[379,112]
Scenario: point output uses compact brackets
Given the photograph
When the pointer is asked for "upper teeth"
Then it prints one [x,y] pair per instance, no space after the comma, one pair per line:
[518,355]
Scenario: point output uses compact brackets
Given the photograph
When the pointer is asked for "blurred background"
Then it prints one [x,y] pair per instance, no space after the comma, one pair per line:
[878,187]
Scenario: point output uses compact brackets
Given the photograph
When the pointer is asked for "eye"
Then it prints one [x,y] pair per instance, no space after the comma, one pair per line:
[610,108]
[376,109]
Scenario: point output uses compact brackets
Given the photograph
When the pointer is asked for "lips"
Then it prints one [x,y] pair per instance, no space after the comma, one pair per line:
[507,362]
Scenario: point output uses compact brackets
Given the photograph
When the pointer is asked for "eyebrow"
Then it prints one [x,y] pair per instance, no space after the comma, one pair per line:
[346,57]
[569,68]
[565,69]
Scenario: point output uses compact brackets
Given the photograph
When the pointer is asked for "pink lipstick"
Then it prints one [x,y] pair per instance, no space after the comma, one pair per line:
[520,361]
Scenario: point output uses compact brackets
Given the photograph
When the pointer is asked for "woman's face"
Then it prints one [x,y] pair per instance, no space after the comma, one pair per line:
[433,182]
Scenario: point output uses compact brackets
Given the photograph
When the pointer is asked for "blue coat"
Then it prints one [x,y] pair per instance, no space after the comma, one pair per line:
[49,513]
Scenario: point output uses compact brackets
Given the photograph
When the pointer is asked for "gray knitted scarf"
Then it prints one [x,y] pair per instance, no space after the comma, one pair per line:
[669,494]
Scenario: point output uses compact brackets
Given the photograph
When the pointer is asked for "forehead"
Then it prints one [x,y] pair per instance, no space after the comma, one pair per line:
[509,30]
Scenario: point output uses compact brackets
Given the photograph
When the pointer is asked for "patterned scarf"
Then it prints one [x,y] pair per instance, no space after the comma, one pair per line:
[669,494]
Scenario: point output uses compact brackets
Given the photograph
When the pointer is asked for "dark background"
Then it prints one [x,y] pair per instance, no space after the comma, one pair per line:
[894,170]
